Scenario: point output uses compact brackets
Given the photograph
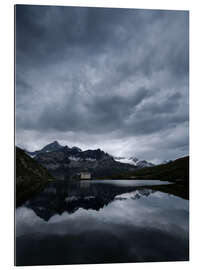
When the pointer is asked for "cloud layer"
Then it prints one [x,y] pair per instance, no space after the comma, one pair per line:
[110,78]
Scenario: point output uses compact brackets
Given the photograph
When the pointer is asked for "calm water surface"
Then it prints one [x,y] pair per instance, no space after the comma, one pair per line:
[102,222]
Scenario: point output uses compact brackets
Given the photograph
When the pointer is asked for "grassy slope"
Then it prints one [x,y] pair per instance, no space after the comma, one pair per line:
[175,170]
[30,176]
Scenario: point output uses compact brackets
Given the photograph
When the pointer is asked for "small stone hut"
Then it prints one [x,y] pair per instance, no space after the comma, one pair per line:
[85,175]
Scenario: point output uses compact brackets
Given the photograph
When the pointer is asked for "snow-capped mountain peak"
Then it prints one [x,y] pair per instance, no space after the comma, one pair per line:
[134,161]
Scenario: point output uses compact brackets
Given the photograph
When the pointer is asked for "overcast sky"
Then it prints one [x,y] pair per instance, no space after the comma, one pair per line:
[115,79]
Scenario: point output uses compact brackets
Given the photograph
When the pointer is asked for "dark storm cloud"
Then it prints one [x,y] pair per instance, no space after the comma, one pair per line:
[99,75]
[97,113]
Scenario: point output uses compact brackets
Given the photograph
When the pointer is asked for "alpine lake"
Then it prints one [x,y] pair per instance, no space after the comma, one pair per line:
[102,221]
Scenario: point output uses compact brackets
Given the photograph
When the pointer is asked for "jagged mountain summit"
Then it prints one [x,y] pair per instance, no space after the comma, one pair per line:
[47,148]
[51,147]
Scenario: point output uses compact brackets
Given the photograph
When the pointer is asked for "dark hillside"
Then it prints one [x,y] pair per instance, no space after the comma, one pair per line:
[30,176]
[174,170]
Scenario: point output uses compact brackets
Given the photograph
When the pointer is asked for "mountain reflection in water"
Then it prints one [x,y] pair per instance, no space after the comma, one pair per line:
[100,222]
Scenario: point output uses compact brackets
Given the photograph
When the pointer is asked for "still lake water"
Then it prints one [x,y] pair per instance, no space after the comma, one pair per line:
[102,221]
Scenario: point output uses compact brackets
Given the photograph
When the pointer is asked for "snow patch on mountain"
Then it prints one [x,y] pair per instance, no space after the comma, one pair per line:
[74,158]
[125,160]
[31,155]
[90,159]
[166,162]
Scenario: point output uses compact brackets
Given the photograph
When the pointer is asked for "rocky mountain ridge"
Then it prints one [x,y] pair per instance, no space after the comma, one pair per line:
[76,154]
[65,162]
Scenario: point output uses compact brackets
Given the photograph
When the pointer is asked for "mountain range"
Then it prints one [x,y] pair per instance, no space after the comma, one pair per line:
[65,162]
